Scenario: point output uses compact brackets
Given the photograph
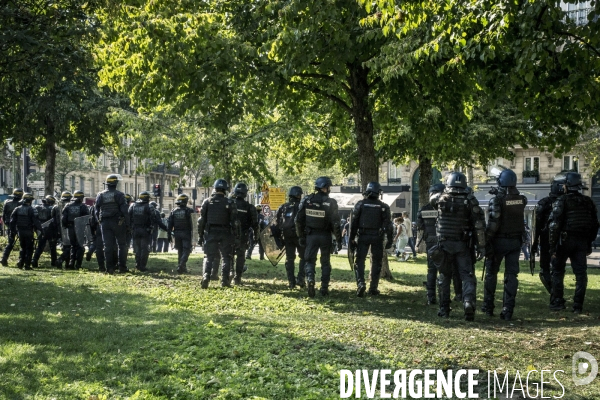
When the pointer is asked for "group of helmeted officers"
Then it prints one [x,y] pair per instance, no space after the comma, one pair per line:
[452,224]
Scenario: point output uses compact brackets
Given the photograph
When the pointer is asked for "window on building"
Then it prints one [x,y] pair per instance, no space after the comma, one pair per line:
[92,186]
[578,13]
[72,184]
[532,163]
[571,163]
[394,173]
[82,184]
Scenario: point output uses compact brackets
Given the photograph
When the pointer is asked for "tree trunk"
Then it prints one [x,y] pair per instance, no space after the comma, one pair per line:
[470,176]
[363,124]
[425,175]
[50,166]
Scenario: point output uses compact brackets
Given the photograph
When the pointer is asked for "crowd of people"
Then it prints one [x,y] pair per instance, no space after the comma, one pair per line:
[452,225]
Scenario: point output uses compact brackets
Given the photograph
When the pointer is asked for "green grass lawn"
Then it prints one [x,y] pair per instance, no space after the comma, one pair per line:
[86,335]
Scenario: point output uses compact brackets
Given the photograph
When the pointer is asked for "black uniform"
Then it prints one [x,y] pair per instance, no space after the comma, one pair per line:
[49,235]
[262,224]
[180,223]
[460,222]
[97,245]
[504,234]
[426,219]
[111,209]
[218,225]
[317,219]
[248,219]
[541,236]
[74,210]
[23,220]
[371,219]
[65,255]
[573,226]
[286,221]
[143,218]
[9,206]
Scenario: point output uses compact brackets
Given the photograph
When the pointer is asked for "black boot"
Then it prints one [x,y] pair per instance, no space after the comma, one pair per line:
[205,281]
[311,288]
[360,291]
[469,308]
[506,314]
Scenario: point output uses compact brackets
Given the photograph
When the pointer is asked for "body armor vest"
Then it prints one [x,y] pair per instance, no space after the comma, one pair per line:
[73,211]
[453,218]
[579,217]
[44,212]
[243,209]
[513,213]
[24,220]
[9,207]
[316,214]
[109,207]
[181,219]
[371,214]
[140,215]
[543,210]
[429,216]
[218,211]
[288,216]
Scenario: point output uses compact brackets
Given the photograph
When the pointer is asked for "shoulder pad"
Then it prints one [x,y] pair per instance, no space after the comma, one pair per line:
[473,200]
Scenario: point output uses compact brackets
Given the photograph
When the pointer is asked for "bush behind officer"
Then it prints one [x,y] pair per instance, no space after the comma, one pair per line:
[74,210]
[247,218]
[286,222]
[573,226]
[460,221]
[180,223]
[111,208]
[23,220]
[504,239]
[143,217]
[426,219]
[371,219]
[218,224]
[317,219]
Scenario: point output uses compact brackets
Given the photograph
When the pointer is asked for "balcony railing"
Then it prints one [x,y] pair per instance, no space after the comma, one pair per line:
[170,171]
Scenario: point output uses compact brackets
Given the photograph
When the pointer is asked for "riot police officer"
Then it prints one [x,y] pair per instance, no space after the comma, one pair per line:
[154,237]
[9,207]
[218,224]
[129,235]
[74,210]
[111,209]
[371,219]
[23,220]
[285,217]
[97,245]
[317,219]
[426,219]
[541,233]
[65,256]
[142,216]
[573,226]
[504,238]
[180,223]
[45,214]
[460,221]
[247,218]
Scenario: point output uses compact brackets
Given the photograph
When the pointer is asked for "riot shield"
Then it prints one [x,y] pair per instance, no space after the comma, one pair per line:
[351,251]
[81,224]
[194,217]
[64,232]
[272,244]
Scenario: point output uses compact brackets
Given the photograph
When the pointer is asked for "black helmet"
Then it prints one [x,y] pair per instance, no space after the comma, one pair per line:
[18,193]
[240,189]
[558,184]
[258,208]
[373,190]
[50,199]
[27,197]
[295,192]
[182,199]
[221,184]
[129,198]
[143,196]
[65,196]
[437,188]
[457,180]
[323,182]
[162,214]
[573,181]
[78,195]
[112,180]
[507,178]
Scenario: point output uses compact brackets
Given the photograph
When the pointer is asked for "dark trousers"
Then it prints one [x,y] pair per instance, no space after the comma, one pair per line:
[40,249]
[457,255]
[253,243]
[154,239]
[183,245]
[292,245]
[98,247]
[114,235]
[76,250]
[411,244]
[375,242]
[10,245]
[163,245]
[314,242]
[141,238]
[575,249]
[544,262]
[240,254]
[431,271]
[509,250]
[219,242]
[26,242]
